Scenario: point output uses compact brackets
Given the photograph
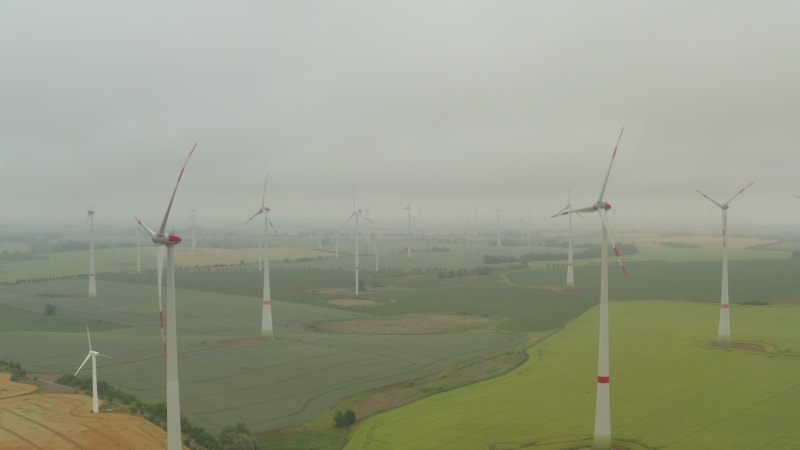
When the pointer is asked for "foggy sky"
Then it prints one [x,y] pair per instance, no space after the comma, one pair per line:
[459,107]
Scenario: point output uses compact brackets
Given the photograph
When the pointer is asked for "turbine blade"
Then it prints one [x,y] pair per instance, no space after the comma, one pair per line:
[264,195]
[273,226]
[255,215]
[740,191]
[707,197]
[588,209]
[613,155]
[100,354]
[563,212]
[611,239]
[83,364]
[169,206]
[89,336]
[355,213]
[149,230]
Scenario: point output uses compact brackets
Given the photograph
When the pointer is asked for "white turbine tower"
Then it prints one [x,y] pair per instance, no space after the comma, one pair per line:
[724,329]
[92,283]
[266,309]
[92,354]
[162,238]
[602,418]
[358,215]
[408,234]
[570,264]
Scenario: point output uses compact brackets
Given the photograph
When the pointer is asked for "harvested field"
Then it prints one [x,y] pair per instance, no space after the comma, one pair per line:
[56,421]
[10,389]
[410,324]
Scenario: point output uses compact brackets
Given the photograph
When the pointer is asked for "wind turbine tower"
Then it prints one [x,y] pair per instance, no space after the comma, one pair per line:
[92,283]
[93,355]
[724,328]
[408,233]
[138,252]
[358,215]
[602,418]
[174,436]
[498,227]
[568,212]
[266,309]
[192,217]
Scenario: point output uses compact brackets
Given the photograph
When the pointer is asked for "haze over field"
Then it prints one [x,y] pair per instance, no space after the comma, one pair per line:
[459,107]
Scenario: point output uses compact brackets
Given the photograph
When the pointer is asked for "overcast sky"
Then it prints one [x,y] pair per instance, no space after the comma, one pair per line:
[460,107]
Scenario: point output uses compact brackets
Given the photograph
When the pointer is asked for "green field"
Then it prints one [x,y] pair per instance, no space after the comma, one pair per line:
[672,388]
[263,384]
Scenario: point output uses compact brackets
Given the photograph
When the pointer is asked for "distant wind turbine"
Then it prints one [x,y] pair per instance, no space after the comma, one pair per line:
[724,328]
[358,215]
[602,418]
[193,216]
[138,252]
[92,275]
[266,309]
[568,211]
[408,234]
[93,355]
[498,227]
[174,436]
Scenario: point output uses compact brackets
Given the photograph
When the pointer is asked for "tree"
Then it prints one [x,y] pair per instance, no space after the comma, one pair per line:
[49,309]
[237,437]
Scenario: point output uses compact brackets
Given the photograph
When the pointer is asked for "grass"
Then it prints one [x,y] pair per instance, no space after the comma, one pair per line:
[672,388]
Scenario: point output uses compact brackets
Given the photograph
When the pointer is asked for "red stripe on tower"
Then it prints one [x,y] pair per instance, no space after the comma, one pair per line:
[604,380]
[724,306]
[267,302]
[91,274]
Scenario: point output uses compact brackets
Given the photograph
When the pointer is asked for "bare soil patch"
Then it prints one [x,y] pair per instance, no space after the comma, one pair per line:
[410,324]
[52,421]
[49,385]
[749,347]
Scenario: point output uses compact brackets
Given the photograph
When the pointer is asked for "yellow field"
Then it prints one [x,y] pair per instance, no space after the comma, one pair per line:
[65,421]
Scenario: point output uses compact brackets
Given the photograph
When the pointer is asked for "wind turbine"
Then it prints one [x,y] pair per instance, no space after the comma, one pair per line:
[567,211]
[266,310]
[92,354]
[498,227]
[408,234]
[724,329]
[357,214]
[138,252]
[162,238]
[92,284]
[602,418]
[192,217]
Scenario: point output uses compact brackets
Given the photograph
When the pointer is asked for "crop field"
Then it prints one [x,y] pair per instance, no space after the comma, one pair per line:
[31,420]
[672,388]
[410,322]
[226,376]
[750,280]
